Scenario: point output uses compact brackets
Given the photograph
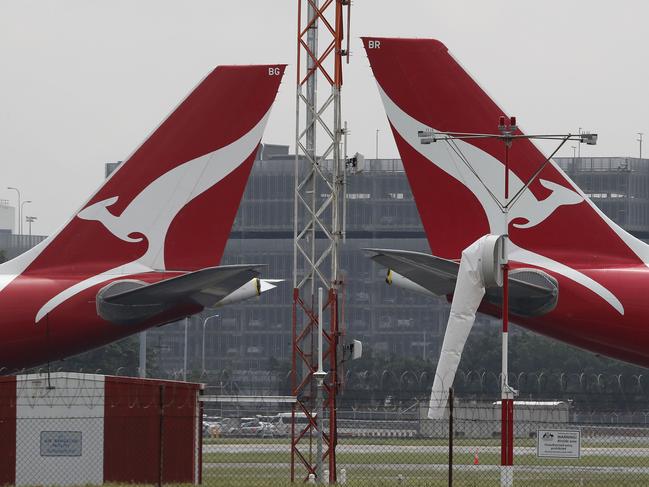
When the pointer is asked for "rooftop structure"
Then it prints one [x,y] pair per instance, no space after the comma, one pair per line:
[7,217]
[619,186]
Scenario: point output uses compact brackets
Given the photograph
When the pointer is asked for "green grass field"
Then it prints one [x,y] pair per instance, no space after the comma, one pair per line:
[255,476]
[642,442]
[368,463]
[373,467]
[370,459]
[242,478]
[246,476]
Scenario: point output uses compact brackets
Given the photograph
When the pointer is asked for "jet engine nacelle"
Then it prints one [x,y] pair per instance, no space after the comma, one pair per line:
[397,280]
[251,289]
[493,257]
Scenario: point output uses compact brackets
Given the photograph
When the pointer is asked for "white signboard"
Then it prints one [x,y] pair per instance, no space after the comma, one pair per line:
[558,443]
[60,443]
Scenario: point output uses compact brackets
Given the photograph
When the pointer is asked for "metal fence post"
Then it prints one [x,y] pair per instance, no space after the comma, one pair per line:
[201,416]
[450,436]
[161,445]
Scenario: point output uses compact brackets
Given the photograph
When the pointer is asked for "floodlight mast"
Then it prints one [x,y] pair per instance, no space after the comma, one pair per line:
[507,133]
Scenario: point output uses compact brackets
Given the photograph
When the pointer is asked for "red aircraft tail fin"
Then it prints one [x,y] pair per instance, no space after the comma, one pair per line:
[459,185]
[171,204]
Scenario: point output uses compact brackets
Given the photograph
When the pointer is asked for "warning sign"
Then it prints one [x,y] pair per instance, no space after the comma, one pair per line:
[60,443]
[558,443]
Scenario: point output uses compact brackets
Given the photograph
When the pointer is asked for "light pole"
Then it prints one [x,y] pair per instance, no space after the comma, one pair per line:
[640,142]
[30,220]
[22,209]
[579,145]
[142,354]
[377,143]
[203,342]
[19,216]
[424,351]
[185,351]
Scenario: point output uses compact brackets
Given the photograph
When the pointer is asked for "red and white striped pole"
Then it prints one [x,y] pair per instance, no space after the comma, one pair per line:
[507,396]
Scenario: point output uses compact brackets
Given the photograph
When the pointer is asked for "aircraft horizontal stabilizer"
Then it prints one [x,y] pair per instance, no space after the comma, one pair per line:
[131,301]
[532,292]
[432,273]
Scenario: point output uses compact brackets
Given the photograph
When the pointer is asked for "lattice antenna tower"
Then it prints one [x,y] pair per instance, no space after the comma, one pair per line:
[318,231]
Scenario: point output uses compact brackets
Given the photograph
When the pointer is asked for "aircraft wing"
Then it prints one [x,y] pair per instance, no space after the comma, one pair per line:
[531,292]
[435,274]
[130,301]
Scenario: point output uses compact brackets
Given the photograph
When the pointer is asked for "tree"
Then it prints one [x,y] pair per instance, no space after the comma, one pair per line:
[539,367]
[119,358]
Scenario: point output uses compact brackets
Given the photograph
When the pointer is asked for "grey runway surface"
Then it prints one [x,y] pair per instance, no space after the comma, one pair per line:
[387,449]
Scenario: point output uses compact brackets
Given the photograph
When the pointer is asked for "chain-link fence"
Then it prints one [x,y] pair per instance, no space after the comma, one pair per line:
[250,444]
[87,429]
[84,429]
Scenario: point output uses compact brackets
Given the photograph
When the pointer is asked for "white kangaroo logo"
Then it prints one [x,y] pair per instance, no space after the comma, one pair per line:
[99,212]
[539,212]
[151,212]
[490,181]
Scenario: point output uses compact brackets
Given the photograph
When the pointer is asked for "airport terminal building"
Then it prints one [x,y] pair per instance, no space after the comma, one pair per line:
[381,212]
[619,186]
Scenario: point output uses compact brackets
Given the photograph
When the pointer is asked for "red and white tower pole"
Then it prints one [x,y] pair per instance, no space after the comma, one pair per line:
[318,214]
[507,393]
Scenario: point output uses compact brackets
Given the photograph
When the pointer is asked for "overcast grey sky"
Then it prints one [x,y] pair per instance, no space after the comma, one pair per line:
[84,81]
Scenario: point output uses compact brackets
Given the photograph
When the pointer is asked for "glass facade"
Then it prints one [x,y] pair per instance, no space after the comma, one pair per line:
[380,213]
[619,186]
